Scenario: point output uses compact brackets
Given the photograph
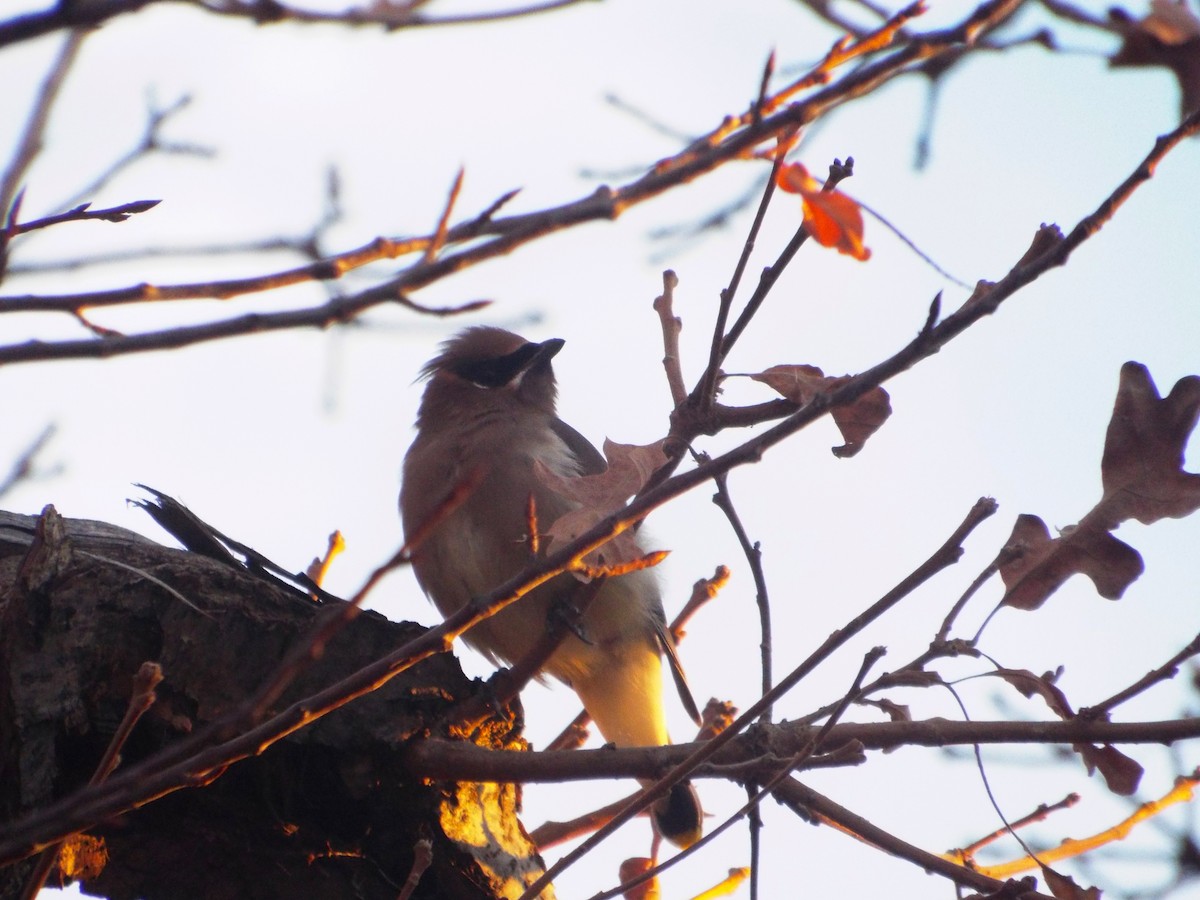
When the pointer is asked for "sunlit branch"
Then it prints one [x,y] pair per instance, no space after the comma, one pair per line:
[1041,814]
[1182,792]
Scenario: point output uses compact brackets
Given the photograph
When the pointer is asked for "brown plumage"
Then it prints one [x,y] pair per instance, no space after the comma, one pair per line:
[489,407]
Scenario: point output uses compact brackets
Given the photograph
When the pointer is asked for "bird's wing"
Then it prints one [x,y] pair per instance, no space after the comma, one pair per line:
[591,461]
[667,642]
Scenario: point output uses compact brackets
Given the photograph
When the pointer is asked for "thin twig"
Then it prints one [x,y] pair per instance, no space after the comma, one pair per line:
[766,281]
[753,553]
[22,466]
[770,275]
[443,225]
[150,141]
[664,305]
[83,213]
[1038,815]
[991,569]
[30,143]
[1166,671]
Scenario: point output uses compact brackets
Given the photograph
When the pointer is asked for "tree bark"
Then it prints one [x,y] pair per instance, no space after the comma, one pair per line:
[328,812]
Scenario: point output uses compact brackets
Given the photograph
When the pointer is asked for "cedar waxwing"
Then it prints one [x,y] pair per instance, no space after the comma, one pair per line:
[488,408]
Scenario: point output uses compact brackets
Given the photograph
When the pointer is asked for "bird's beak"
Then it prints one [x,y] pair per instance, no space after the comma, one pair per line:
[546,351]
[512,369]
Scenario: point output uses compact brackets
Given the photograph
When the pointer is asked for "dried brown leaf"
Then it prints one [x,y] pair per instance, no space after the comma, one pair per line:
[1169,37]
[1142,467]
[1043,686]
[897,712]
[598,496]
[1037,565]
[1121,773]
[856,421]
[1064,887]
[1143,477]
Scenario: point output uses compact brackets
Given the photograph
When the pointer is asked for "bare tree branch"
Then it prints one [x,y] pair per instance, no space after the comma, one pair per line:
[30,143]
[390,16]
[735,139]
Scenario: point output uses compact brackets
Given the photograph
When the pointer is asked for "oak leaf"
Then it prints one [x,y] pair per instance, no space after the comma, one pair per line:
[832,218]
[857,421]
[1037,564]
[595,497]
[1142,466]
[1143,478]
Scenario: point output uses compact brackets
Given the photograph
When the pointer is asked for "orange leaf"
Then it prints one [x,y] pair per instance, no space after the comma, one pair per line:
[832,218]
[857,421]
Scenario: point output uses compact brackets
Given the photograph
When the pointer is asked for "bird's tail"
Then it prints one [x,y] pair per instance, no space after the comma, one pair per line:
[678,816]
[624,699]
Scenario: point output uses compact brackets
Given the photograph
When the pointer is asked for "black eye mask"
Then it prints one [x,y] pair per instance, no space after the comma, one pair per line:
[497,372]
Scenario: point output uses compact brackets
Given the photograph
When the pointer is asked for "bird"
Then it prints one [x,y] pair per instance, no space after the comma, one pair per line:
[489,412]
